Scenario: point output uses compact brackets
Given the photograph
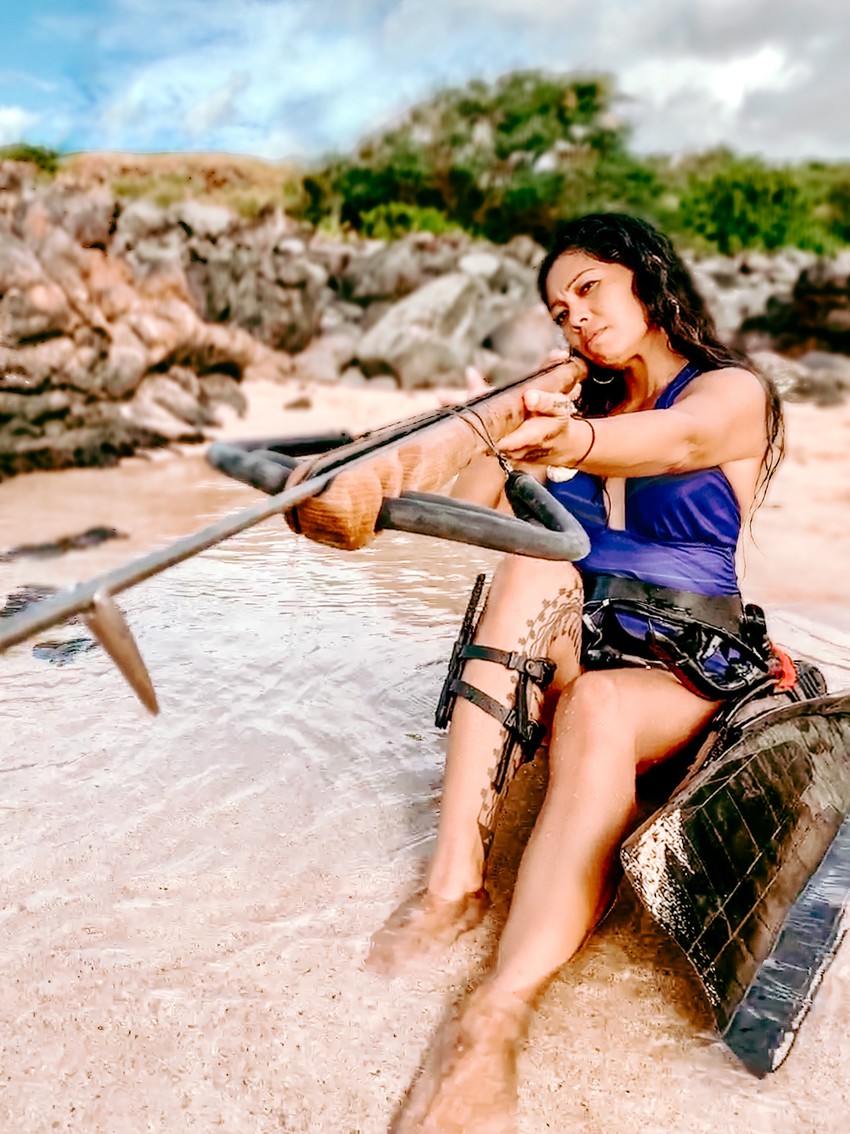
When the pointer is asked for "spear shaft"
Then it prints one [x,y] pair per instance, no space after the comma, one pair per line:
[80,599]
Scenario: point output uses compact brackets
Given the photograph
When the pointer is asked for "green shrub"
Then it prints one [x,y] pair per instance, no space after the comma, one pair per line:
[471,155]
[45,159]
[836,208]
[747,204]
[531,149]
[163,189]
[388,222]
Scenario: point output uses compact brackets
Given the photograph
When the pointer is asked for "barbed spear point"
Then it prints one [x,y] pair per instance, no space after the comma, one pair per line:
[111,629]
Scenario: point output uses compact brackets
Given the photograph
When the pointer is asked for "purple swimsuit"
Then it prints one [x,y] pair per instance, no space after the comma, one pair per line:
[681,530]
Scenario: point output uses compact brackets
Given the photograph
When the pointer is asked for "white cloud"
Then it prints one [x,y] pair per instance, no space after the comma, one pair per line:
[22,78]
[260,75]
[218,109]
[15,123]
[726,82]
[306,77]
[694,102]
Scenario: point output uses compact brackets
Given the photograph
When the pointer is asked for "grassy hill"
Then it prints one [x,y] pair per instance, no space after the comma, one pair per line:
[517,155]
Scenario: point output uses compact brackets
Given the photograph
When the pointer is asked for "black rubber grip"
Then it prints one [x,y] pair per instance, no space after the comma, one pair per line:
[549,532]
[531,501]
[259,468]
[305,445]
[442,516]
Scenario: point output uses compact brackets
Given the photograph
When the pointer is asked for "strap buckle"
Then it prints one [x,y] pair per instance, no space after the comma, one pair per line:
[540,670]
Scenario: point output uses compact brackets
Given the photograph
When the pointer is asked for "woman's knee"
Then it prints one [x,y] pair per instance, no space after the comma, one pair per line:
[536,578]
[591,724]
[593,698]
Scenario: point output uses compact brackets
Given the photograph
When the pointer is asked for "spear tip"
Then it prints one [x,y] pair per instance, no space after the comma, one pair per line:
[110,627]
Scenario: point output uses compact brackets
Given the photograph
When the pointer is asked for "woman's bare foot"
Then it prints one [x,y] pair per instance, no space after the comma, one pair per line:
[422,927]
[468,1082]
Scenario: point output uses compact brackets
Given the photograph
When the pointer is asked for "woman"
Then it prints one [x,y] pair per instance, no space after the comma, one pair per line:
[660,457]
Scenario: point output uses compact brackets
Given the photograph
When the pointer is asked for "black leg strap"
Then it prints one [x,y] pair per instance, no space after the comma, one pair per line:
[483,700]
[540,670]
[521,728]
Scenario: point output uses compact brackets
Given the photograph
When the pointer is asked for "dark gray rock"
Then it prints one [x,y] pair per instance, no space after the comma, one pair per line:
[63,652]
[391,271]
[222,389]
[88,216]
[137,221]
[815,377]
[19,266]
[25,596]
[424,339]
[200,219]
[52,549]
[37,312]
[525,337]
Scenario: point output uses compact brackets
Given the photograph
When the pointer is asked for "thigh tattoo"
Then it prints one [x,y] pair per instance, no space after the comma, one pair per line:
[559,617]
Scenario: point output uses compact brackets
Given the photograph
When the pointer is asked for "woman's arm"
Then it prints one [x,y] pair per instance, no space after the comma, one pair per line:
[719,418]
[483,482]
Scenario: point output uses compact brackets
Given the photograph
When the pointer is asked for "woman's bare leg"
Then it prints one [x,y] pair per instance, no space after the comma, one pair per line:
[481,482]
[608,726]
[534,608]
[546,625]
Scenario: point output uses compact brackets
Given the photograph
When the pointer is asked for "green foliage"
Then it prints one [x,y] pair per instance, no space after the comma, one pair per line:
[494,158]
[388,222]
[163,190]
[531,149]
[746,204]
[248,186]
[45,159]
[835,210]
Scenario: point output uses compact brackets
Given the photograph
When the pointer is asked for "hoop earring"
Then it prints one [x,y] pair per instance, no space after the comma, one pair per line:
[605,381]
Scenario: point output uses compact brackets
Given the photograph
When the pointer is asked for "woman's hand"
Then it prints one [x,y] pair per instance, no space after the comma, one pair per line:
[550,433]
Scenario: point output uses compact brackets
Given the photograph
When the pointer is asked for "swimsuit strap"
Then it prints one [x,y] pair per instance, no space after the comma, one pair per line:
[685,376]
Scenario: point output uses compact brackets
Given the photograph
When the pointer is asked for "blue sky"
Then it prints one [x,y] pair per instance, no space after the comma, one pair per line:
[284,78]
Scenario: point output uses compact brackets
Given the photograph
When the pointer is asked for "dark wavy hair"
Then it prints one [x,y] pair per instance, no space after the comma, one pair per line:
[665,288]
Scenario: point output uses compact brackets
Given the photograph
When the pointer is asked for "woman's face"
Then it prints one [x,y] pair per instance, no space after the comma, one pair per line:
[594,304]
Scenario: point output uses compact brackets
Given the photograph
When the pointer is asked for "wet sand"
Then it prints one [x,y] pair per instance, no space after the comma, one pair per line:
[185,902]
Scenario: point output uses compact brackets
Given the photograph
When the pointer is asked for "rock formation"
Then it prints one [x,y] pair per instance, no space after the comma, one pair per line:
[124,324]
[99,356]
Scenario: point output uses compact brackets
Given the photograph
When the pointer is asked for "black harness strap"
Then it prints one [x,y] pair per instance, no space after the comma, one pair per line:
[520,726]
[521,729]
[540,670]
[684,630]
[724,612]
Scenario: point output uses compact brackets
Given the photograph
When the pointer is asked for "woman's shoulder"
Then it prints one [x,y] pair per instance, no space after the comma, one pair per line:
[738,385]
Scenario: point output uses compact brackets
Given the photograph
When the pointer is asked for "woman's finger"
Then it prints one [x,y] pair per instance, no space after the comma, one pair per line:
[552,405]
[559,354]
[534,433]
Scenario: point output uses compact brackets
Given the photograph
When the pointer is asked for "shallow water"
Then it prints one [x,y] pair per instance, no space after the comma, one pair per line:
[185,901]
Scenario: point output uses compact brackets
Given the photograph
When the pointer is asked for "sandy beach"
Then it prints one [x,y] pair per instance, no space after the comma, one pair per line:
[185,902]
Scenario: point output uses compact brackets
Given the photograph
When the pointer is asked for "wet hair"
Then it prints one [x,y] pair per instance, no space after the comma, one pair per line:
[664,287]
